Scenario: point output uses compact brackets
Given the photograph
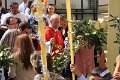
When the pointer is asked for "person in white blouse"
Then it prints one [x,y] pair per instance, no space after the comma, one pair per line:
[23,6]
[28,10]
[49,12]
[22,68]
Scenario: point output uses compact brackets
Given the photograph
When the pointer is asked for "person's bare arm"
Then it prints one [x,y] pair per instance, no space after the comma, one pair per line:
[3,27]
[75,70]
[116,73]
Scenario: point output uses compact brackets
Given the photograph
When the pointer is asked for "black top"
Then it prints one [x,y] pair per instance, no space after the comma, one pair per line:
[66,32]
[3,11]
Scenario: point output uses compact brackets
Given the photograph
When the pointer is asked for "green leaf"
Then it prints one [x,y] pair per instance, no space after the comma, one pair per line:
[5,59]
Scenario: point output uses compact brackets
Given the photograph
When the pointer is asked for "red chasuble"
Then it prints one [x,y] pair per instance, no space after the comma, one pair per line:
[57,36]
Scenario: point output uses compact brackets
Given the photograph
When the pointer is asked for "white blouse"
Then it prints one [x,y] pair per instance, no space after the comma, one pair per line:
[20,73]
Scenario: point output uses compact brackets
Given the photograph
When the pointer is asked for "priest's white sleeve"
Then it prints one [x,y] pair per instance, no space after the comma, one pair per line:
[48,46]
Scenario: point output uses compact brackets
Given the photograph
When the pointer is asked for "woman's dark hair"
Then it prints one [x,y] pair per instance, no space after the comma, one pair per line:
[49,62]
[37,64]
[29,4]
[0,3]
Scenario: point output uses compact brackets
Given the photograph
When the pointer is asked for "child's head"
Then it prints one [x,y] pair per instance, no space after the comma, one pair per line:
[95,75]
[35,60]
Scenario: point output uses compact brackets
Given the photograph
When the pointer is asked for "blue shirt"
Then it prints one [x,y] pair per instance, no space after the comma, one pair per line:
[82,77]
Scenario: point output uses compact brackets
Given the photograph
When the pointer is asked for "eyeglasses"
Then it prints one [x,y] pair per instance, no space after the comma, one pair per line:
[13,24]
[56,22]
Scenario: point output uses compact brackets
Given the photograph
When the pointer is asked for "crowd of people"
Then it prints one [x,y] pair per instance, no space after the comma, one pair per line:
[18,31]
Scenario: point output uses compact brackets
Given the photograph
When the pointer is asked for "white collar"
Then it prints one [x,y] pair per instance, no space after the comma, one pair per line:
[104,73]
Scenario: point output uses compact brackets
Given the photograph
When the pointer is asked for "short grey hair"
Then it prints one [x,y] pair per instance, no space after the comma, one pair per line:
[54,16]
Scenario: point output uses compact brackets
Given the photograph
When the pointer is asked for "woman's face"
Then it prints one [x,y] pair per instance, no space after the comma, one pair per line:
[63,24]
[51,9]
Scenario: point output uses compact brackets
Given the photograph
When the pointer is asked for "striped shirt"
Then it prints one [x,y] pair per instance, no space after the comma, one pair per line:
[9,38]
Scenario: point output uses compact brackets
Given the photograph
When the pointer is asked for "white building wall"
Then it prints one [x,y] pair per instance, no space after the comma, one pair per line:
[103,2]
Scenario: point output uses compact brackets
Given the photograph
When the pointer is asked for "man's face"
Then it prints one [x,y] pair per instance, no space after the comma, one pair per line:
[55,23]
[14,9]
[51,9]
[13,23]
[101,58]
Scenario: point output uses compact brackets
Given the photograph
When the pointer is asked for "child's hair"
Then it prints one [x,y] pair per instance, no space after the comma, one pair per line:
[37,64]
[97,71]
[35,60]
[63,17]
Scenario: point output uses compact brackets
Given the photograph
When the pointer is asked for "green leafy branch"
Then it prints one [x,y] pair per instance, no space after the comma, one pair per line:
[5,59]
[116,24]
[61,62]
[85,31]
[82,31]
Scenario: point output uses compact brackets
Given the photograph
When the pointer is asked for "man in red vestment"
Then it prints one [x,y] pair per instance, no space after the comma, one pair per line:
[54,36]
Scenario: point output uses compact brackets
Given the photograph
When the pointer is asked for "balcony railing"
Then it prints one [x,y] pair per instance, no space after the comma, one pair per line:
[81,9]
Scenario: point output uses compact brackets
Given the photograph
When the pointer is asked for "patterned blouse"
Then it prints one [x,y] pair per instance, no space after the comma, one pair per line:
[52,76]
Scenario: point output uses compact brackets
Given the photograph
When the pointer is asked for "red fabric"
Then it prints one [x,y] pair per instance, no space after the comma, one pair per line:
[57,36]
[39,46]
[84,58]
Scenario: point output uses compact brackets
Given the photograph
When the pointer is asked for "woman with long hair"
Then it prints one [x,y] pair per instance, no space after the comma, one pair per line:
[22,69]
